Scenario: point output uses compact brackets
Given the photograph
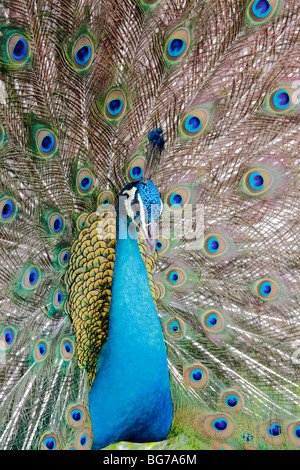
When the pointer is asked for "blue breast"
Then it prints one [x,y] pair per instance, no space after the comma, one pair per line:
[130,399]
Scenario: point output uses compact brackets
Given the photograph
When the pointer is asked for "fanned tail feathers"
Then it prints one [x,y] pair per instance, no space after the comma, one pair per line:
[82,85]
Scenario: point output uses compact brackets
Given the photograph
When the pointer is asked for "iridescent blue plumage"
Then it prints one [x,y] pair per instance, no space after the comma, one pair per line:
[132,379]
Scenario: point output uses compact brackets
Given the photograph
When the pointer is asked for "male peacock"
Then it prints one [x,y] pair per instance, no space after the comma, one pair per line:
[149,287]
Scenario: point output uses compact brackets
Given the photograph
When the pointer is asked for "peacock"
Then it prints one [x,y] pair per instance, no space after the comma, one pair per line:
[149,224]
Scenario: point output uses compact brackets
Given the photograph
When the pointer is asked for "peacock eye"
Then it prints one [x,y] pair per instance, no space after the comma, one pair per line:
[41,351]
[8,208]
[105,198]
[83,55]
[46,143]
[173,277]
[195,122]
[177,44]
[267,289]
[260,11]
[213,321]
[176,277]
[83,52]
[67,349]
[84,439]
[64,257]
[274,430]
[232,401]
[220,424]
[7,338]
[215,245]
[136,172]
[135,169]
[293,433]
[177,198]
[58,298]
[50,442]
[31,278]
[115,104]
[85,181]
[175,328]
[18,49]
[56,224]
[196,376]
[282,100]
[80,222]
[76,416]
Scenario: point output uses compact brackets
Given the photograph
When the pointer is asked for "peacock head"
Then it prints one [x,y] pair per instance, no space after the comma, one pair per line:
[141,203]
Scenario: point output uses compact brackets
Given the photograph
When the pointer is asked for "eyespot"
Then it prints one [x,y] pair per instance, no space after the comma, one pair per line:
[177,198]
[135,169]
[213,321]
[258,181]
[46,142]
[18,48]
[31,278]
[267,289]
[56,302]
[176,277]
[106,198]
[7,338]
[218,426]
[58,298]
[215,245]
[177,44]
[85,181]
[281,100]
[83,53]
[260,11]
[67,348]
[76,416]
[162,245]
[81,220]
[50,442]
[232,401]
[195,122]
[115,104]
[8,209]
[196,376]
[293,433]
[175,328]
[84,439]
[272,431]
[64,257]
[41,351]
[56,224]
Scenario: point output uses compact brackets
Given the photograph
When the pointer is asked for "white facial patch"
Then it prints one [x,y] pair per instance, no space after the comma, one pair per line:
[131,194]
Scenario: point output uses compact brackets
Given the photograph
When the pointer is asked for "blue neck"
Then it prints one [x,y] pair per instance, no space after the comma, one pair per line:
[130,398]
